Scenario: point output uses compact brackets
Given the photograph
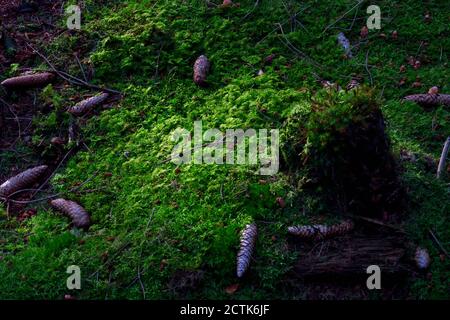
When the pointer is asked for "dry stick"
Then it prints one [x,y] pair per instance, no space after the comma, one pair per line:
[16,118]
[378,223]
[251,11]
[295,50]
[53,173]
[81,67]
[438,243]
[341,17]
[69,78]
[367,67]
[51,196]
[443,157]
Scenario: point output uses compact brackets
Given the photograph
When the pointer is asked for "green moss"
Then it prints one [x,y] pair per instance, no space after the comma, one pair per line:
[150,216]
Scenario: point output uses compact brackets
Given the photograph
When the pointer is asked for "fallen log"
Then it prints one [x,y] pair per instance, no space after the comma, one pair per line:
[28,81]
[352,256]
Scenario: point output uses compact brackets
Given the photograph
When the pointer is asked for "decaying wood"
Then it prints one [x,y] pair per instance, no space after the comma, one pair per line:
[87,105]
[429,100]
[22,180]
[422,258]
[248,240]
[28,81]
[319,231]
[441,166]
[352,256]
[201,69]
[80,218]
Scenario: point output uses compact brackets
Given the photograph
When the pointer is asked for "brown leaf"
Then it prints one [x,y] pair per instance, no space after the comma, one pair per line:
[281,202]
[232,288]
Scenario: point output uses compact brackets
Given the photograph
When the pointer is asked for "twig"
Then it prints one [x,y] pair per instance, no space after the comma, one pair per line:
[16,118]
[53,173]
[367,67]
[81,67]
[443,157]
[377,222]
[341,17]
[51,196]
[438,243]
[69,78]
[251,11]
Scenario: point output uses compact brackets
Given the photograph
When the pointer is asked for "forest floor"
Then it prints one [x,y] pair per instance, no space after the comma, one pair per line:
[162,231]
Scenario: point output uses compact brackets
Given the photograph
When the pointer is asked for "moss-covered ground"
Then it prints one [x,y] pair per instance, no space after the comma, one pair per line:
[152,219]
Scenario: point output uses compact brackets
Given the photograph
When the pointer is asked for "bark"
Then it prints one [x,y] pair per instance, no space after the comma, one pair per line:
[352,256]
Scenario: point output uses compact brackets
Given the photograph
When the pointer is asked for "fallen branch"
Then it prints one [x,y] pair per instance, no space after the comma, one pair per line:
[72,79]
[436,240]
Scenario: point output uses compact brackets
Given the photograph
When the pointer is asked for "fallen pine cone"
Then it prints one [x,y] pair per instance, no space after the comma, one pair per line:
[320,231]
[28,81]
[80,218]
[22,180]
[422,258]
[248,240]
[86,105]
[429,100]
[345,43]
[201,69]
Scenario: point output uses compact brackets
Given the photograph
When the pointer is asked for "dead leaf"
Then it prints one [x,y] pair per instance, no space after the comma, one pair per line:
[232,288]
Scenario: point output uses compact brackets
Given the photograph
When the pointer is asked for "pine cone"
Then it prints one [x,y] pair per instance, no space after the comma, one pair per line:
[80,218]
[248,240]
[429,100]
[422,258]
[201,69]
[85,106]
[28,81]
[22,180]
[345,43]
[320,231]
